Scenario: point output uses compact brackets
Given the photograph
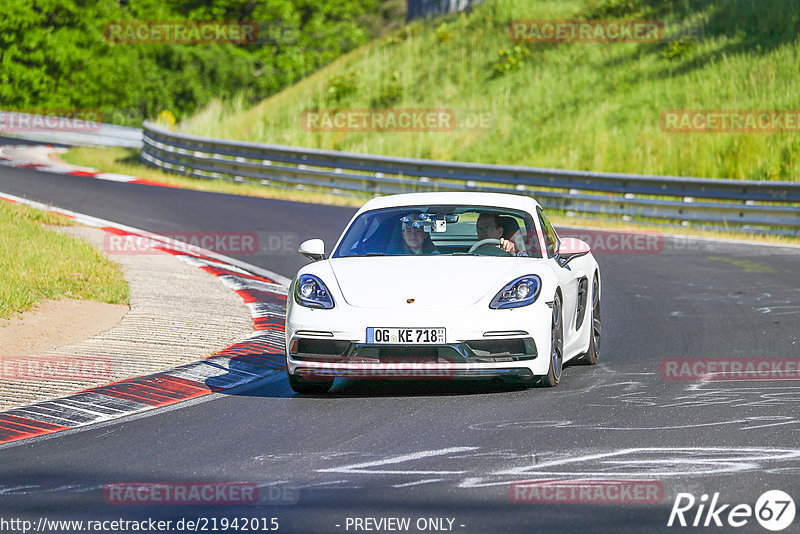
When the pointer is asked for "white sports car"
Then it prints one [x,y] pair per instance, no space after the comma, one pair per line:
[443,285]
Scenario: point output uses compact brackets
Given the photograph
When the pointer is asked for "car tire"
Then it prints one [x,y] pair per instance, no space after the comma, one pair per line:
[308,387]
[553,375]
[591,356]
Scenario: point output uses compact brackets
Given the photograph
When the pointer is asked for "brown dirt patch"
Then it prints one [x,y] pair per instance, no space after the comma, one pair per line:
[54,323]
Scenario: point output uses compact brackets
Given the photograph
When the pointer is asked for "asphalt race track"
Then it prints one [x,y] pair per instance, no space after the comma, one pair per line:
[449,451]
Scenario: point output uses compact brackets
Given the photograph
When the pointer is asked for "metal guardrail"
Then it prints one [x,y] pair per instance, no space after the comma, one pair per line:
[758,205]
[60,130]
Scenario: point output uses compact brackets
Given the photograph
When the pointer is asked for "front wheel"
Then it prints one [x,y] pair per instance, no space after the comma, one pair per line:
[553,375]
[308,387]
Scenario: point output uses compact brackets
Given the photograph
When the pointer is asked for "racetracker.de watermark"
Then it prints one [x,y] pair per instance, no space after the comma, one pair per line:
[197,493]
[240,243]
[395,120]
[611,242]
[725,369]
[181,32]
[586,492]
[54,368]
[586,31]
[383,371]
[234,243]
[48,120]
[730,121]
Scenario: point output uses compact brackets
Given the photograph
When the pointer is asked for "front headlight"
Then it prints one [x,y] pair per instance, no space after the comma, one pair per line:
[309,291]
[520,292]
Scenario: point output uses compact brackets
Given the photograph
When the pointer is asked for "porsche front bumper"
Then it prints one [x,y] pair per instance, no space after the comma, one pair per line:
[482,343]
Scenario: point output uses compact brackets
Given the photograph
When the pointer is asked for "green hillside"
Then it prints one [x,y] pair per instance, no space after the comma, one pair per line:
[593,106]
[59,55]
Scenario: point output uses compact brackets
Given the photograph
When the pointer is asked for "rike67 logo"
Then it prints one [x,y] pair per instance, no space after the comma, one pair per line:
[774,510]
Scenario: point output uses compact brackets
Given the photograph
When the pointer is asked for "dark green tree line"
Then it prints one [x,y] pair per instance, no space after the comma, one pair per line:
[54,54]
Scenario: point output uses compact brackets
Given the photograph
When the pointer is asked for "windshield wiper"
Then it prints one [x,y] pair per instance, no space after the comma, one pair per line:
[463,254]
[374,254]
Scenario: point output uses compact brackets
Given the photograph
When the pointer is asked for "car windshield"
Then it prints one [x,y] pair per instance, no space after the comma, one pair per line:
[441,230]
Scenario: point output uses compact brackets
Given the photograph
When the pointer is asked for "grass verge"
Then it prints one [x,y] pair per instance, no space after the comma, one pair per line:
[38,263]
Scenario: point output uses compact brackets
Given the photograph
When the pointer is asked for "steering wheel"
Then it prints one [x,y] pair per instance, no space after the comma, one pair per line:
[490,241]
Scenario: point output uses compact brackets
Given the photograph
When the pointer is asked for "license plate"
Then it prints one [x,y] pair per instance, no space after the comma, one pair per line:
[405,336]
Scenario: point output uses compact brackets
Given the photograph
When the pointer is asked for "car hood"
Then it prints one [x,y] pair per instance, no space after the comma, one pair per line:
[432,281]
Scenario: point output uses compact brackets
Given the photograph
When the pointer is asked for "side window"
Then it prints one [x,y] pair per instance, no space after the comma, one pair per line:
[522,232]
[531,238]
[550,238]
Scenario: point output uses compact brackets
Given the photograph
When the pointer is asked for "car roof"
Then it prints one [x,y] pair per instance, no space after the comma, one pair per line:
[472,198]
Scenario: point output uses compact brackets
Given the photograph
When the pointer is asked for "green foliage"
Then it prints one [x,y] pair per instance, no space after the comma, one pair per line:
[443,32]
[678,48]
[598,9]
[341,86]
[389,16]
[510,60]
[390,92]
[54,54]
[403,34]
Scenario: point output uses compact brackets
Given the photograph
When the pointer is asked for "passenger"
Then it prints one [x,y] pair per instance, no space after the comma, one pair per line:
[414,240]
[417,241]
[489,226]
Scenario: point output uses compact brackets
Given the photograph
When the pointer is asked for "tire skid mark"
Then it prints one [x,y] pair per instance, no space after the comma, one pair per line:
[457,468]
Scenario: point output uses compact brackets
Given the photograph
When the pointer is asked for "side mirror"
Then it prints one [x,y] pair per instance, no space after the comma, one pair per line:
[313,249]
[570,248]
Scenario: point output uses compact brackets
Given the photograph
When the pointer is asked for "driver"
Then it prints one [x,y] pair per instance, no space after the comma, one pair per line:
[489,226]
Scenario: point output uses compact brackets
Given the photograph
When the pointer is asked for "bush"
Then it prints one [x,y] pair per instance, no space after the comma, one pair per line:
[510,60]
[391,91]
[55,54]
[678,48]
[341,86]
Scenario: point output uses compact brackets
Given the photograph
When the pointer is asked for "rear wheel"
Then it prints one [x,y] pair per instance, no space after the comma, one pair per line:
[592,355]
[308,387]
[553,375]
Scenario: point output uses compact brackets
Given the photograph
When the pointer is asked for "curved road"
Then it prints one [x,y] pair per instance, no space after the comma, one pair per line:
[449,451]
